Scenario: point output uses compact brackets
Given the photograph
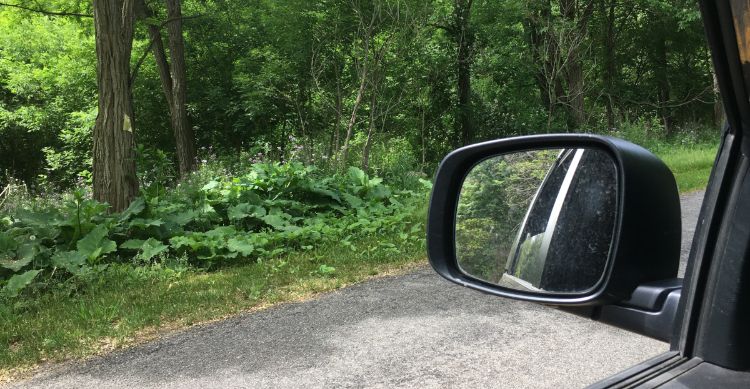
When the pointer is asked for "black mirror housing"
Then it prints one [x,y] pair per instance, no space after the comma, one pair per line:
[646,240]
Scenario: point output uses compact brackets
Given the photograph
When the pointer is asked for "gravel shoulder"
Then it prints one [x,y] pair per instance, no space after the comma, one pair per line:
[415,330]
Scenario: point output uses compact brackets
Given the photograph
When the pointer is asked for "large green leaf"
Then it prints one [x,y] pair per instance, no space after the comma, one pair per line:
[141,223]
[182,218]
[210,185]
[43,218]
[24,255]
[221,232]
[152,248]
[18,282]
[275,221]
[380,192]
[326,192]
[353,201]
[241,211]
[241,246]
[7,243]
[96,244]
[132,244]
[136,207]
[72,261]
[358,176]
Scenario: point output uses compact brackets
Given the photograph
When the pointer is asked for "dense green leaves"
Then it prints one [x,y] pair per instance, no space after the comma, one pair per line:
[269,210]
[280,80]
[17,282]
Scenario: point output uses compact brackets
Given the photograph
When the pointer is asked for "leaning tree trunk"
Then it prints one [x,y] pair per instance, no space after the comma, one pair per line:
[577,19]
[464,44]
[183,132]
[114,173]
[368,142]
[718,104]
[610,68]
[353,118]
[662,82]
[142,11]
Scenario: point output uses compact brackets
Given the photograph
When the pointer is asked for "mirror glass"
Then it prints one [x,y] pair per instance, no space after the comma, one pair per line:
[538,220]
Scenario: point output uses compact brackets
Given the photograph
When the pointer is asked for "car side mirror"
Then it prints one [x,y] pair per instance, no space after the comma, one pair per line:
[568,219]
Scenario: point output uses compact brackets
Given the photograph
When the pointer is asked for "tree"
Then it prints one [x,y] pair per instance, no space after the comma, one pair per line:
[464,37]
[114,175]
[183,132]
[173,77]
[576,14]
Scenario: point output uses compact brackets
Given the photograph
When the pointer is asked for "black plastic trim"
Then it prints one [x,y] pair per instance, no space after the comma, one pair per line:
[656,323]
[641,371]
[646,244]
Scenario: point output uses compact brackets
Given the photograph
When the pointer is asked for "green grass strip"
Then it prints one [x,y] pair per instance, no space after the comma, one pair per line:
[691,165]
[126,305]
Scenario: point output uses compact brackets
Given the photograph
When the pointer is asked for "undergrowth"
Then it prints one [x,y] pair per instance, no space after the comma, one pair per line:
[271,210]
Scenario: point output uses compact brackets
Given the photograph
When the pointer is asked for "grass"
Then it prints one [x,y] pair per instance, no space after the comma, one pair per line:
[691,165]
[124,305]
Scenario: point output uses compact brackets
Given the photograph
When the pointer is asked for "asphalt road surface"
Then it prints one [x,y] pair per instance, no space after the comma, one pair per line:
[416,330]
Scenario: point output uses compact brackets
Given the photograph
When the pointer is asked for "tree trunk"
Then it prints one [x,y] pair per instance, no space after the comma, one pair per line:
[114,175]
[575,92]
[464,43]
[424,141]
[142,11]
[661,72]
[718,104]
[183,132]
[536,23]
[574,69]
[368,142]
[336,136]
[353,117]
[609,61]
[160,57]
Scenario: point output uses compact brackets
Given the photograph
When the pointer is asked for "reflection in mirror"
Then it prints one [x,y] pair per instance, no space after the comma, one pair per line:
[539,220]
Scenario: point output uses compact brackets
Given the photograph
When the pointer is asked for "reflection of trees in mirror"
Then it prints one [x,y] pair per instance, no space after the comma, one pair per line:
[494,199]
[584,228]
[567,232]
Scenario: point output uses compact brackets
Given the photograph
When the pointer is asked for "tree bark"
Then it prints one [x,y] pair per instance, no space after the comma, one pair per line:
[661,72]
[183,132]
[114,175]
[334,145]
[464,37]
[368,142]
[719,116]
[609,60]
[157,48]
[353,117]
[534,25]
[577,20]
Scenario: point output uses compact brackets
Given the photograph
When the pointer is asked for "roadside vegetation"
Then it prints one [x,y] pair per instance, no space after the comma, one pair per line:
[265,151]
[233,237]
[76,279]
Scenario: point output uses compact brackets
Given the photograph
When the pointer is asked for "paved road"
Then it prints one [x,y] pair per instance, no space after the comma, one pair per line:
[415,330]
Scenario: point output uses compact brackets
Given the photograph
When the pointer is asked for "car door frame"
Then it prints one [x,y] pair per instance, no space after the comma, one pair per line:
[710,346]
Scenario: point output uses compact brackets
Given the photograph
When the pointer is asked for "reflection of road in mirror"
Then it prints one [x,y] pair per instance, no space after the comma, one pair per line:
[540,220]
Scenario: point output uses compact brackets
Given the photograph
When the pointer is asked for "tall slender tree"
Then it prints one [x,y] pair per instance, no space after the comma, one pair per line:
[114,175]
[464,37]
[183,132]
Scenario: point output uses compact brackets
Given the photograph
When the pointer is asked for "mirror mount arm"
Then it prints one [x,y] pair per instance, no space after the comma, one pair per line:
[650,311]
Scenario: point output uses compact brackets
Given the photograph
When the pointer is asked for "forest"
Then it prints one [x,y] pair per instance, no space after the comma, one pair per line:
[340,81]
[282,147]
